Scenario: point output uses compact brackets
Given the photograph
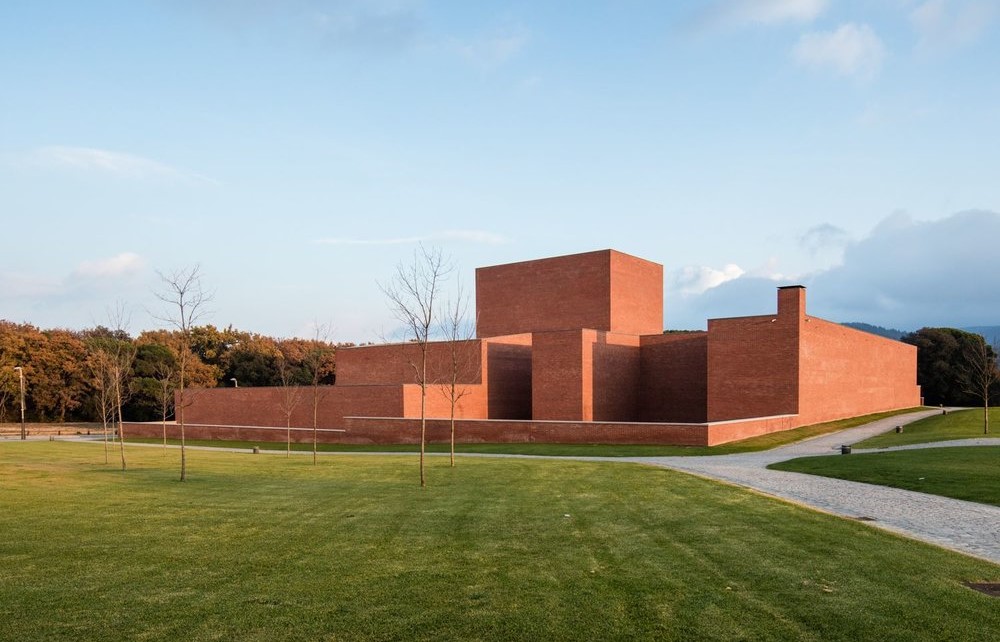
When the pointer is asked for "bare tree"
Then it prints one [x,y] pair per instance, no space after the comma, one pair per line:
[981,374]
[111,358]
[99,364]
[314,360]
[291,396]
[165,394]
[463,364]
[412,294]
[186,302]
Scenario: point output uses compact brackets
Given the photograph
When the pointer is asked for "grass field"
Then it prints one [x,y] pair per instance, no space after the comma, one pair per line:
[963,473]
[763,442]
[269,548]
[960,424]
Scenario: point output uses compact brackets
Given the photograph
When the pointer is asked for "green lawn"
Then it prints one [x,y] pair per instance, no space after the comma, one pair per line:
[266,548]
[763,442]
[963,473]
[960,424]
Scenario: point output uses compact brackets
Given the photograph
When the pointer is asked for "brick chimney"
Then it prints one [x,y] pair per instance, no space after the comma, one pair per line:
[792,301]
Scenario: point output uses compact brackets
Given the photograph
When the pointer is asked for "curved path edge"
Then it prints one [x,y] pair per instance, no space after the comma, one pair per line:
[966,527]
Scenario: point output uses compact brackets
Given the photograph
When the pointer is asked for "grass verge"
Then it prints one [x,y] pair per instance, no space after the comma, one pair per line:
[763,442]
[959,424]
[959,472]
[264,548]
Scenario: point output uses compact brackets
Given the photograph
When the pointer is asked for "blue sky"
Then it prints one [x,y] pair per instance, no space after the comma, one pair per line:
[298,149]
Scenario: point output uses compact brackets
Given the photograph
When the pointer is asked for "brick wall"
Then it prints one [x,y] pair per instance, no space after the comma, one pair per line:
[615,375]
[846,372]
[753,362]
[373,430]
[392,363]
[728,431]
[673,379]
[508,377]
[561,379]
[559,293]
[636,295]
[262,406]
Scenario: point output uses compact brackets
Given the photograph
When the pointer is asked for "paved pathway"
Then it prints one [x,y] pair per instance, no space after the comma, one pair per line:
[952,523]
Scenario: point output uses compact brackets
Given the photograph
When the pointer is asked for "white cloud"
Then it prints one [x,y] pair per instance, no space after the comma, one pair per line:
[851,50]
[493,50]
[695,279]
[944,24]
[368,26]
[110,162]
[470,236]
[824,237]
[123,265]
[737,13]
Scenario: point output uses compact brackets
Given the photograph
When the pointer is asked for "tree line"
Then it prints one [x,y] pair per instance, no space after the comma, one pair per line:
[67,373]
[956,368]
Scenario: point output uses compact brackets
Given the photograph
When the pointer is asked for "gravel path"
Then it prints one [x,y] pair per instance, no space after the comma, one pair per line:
[963,526]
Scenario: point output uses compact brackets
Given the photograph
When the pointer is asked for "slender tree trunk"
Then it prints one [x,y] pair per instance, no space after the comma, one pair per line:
[164,424]
[986,417]
[104,419]
[423,413]
[453,424]
[315,418]
[121,430]
[180,416]
[288,436]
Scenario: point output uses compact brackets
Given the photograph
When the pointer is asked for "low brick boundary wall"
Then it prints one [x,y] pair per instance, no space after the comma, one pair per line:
[222,432]
[396,430]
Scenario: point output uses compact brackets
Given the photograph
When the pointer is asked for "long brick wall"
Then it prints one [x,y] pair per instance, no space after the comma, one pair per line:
[846,372]
[394,430]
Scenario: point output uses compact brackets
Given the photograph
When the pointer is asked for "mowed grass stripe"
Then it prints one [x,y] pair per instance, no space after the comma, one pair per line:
[969,473]
[958,424]
[268,548]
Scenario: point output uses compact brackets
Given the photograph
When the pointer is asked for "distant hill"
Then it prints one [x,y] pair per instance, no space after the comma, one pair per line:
[990,332]
[889,333]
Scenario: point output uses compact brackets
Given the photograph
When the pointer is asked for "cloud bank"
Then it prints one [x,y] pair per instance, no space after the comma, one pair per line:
[941,24]
[906,274]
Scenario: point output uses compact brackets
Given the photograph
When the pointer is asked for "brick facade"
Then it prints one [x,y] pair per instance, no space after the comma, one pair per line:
[571,349]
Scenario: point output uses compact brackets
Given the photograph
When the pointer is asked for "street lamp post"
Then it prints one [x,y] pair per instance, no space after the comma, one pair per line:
[20,375]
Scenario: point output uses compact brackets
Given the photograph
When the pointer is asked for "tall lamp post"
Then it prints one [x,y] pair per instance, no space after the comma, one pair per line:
[20,376]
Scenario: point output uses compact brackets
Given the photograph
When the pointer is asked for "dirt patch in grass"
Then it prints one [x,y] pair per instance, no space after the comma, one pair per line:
[989,588]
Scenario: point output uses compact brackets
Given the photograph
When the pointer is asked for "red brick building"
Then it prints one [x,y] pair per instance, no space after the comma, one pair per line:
[572,349]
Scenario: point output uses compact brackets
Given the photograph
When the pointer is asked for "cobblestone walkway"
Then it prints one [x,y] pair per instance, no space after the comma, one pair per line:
[952,523]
